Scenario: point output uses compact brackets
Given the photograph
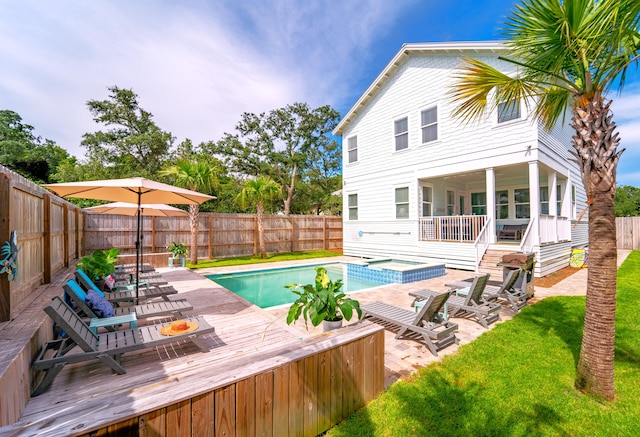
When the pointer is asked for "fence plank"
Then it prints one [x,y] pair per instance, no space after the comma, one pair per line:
[178,422]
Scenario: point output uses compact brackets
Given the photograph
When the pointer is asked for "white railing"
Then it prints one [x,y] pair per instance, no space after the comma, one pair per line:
[462,228]
[482,243]
[554,229]
[527,243]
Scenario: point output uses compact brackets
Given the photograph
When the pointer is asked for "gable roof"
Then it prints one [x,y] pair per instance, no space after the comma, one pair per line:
[467,48]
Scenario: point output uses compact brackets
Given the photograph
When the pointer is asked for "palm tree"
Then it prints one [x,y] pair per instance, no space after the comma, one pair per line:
[258,190]
[569,54]
[196,175]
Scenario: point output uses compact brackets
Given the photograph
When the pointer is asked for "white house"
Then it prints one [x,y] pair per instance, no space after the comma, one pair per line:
[418,183]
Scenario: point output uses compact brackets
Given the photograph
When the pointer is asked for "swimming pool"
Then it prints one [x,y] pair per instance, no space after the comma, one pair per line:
[265,288]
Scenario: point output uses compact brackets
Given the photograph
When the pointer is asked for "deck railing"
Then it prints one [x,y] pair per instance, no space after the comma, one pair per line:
[482,243]
[554,229]
[462,228]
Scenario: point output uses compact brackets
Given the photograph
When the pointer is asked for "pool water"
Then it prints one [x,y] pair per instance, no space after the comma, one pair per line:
[266,288]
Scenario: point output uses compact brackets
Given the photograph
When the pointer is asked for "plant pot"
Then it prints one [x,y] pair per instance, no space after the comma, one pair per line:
[181,261]
[331,325]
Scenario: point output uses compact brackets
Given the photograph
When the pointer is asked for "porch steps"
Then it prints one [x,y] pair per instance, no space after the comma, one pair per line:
[489,262]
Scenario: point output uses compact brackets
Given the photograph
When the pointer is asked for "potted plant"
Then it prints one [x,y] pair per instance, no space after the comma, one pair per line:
[179,252]
[100,264]
[323,302]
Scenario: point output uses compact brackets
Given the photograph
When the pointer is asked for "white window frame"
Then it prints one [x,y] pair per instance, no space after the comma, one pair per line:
[353,208]
[401,135]
[433,124]
[424,202]
[402,203]
[352,149]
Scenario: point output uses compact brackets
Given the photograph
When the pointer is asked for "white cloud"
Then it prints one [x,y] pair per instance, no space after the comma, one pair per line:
[195,66]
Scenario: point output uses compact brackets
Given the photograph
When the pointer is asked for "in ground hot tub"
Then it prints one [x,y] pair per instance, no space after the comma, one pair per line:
[394,271]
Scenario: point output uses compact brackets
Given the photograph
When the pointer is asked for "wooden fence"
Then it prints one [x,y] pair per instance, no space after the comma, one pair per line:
[628,233]
[219,235]
[49,234]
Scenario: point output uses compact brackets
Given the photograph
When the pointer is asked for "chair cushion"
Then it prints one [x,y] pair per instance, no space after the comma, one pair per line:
[99,305]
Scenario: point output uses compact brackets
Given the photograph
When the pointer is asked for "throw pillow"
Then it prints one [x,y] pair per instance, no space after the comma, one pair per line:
[99,305]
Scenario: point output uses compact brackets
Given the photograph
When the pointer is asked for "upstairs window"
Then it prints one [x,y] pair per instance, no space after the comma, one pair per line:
[429,121]
[401,132]
[352,148]
[427,201]
[353,206]
[508,111]
[402,203]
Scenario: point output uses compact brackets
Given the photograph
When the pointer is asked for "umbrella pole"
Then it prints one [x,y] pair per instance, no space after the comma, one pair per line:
[137,284]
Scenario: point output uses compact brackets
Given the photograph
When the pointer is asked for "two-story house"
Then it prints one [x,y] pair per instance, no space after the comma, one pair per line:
[420,184]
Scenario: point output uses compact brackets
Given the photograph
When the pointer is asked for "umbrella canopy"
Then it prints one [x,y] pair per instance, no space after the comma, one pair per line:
[132,190]
[146,209]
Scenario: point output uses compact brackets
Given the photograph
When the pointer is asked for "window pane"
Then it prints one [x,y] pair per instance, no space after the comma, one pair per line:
[426,210]
[508,111]
[544,194]
[544,208]
[353,155]
[353,213]
[522,211]
[402,195]
[429,116]
[502,197]
[402,210]
[353,143]
[478,210]
[402,142]
[478,198]
[502,211]
[430,133]
[426,194]
[353,200]
[521,195]
[401,126]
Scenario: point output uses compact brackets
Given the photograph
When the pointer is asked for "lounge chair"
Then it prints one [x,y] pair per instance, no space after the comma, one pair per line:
[172,308]
[428,323]
[468,299]
[144,293]
[511,232]
[517,298]
[107,347]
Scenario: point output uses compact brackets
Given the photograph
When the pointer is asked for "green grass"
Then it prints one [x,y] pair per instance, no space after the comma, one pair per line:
[517,380]
[257,260]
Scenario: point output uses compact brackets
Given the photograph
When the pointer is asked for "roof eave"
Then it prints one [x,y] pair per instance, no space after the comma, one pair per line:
[405,51]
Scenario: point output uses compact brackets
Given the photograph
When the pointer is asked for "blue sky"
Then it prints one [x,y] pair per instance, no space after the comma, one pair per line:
[198,65]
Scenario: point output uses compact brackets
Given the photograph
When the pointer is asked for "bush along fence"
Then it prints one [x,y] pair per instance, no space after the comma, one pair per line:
[219,235]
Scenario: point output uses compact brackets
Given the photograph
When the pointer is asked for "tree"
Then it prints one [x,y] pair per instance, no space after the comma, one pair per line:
[134,145]
[197,176]
[258,190]
[627,201]
[569,54]
[25,153]
[277,144]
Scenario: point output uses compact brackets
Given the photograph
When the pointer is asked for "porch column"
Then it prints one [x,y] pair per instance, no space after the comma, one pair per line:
[553,208]
[534,202]
[491,203]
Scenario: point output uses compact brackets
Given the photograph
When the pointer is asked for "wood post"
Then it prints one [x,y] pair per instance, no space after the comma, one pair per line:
[210,227]
[76,213]
[46,235]
[324,233]
[6,188]
[65,232]
[255,236]
[293,233]
[153,235]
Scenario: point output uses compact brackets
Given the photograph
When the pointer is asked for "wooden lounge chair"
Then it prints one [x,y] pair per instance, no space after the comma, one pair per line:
[107,347]
[436,332]
[507,291]
[511,232]
[144,293]
[468,299]
[172,308]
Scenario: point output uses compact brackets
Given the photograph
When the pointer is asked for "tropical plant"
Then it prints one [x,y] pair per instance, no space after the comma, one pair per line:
[100,264]
[258,190]
[196,175]
[178,249]
[569,54]
[323,300]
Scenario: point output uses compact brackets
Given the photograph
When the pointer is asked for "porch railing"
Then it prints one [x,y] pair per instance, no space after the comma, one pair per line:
[462,228]
[482,243]
[554,229]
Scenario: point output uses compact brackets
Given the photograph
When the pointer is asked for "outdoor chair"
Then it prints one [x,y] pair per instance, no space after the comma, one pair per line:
[510,232]
[436,332]
[126,295]
[468,299]
[173,308]
[106,347]
[517,298]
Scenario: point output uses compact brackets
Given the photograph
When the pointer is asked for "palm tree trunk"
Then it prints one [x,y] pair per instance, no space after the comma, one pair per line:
[595,142]
[259,214]
[193,220]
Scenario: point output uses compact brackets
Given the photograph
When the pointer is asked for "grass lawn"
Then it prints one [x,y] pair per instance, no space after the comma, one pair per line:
[517,380]
[257,260]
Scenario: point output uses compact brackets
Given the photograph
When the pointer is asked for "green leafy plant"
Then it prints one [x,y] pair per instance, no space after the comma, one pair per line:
[323,300]
[100,263]
[178,249]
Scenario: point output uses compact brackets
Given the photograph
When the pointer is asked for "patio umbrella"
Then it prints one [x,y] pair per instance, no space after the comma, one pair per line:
[146,210]
[132,190]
